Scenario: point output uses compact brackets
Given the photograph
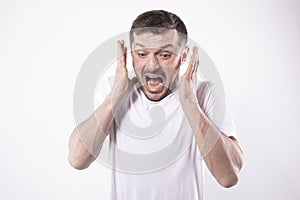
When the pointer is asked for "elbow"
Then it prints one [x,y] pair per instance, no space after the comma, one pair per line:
[77,163]
[79,157]
[229,180]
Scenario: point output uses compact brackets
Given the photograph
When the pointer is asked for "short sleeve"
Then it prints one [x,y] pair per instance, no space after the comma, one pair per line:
[212,102]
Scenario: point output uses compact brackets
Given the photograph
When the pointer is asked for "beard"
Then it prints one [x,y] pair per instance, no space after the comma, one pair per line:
[156,83]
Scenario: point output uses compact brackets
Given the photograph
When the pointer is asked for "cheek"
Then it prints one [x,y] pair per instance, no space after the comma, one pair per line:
[138,62]
[173,68]
[172,65]
[137,66]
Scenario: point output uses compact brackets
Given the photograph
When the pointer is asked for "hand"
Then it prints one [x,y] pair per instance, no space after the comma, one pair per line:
[122,84]
[188,83]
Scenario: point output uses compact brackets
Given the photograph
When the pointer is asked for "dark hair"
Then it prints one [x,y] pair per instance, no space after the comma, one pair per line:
[157,22]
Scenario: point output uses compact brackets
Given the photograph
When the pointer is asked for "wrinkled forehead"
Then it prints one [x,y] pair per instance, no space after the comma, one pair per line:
[168,39]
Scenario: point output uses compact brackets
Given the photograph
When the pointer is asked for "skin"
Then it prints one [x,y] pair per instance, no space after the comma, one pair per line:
[221,154]
[158,57]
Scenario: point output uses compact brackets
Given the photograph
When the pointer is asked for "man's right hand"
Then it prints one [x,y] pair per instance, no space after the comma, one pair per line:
[122,84]
[87,138]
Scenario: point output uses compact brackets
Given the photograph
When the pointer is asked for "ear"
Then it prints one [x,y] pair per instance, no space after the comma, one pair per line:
[184,54]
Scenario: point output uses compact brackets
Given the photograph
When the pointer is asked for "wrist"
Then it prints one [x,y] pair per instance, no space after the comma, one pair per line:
[190,103]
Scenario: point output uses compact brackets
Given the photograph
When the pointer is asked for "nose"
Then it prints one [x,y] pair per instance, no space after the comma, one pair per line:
[152,62]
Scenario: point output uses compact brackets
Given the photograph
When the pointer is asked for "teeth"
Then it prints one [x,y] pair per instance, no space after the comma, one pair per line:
[154,77]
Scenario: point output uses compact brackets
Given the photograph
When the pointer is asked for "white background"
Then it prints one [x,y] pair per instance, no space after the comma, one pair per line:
[255,46]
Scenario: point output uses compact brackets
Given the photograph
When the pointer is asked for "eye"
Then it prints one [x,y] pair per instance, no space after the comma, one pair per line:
[165,55]
[141,54]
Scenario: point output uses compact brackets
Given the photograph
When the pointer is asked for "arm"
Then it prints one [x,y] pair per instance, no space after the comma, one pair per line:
[221,154]
[87,138]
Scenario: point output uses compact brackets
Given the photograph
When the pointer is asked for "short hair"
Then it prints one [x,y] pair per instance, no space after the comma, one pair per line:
[157,22]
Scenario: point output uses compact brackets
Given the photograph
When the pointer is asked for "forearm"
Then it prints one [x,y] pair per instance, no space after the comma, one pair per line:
[225,161]
[221,154]
[87,138]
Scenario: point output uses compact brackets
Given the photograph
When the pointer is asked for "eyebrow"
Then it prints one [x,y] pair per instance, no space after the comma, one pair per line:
[162,47]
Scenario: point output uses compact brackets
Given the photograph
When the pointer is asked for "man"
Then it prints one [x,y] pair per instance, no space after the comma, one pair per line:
[160,160]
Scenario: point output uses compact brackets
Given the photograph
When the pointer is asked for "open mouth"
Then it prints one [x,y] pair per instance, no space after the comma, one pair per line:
[154,83]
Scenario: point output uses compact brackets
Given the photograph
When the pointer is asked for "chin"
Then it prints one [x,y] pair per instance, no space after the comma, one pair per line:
[155,96]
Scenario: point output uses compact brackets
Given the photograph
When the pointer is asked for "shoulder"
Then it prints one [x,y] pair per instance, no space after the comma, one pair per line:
[204,86]
[204,89]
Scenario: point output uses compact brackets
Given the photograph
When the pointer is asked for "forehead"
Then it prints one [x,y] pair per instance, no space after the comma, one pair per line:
[169,38]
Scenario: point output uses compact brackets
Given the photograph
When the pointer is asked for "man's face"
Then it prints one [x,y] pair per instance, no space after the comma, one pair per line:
[156,61]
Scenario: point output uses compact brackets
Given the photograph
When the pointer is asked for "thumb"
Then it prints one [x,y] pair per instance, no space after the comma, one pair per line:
[133,82]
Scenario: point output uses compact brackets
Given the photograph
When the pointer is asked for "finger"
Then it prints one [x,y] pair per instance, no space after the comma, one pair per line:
[125,55]
[121,59]
[191,65]
[133,81]
[195,64]
[120,46]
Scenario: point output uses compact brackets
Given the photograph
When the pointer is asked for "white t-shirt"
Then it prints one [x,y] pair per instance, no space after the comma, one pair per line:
[152,148]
